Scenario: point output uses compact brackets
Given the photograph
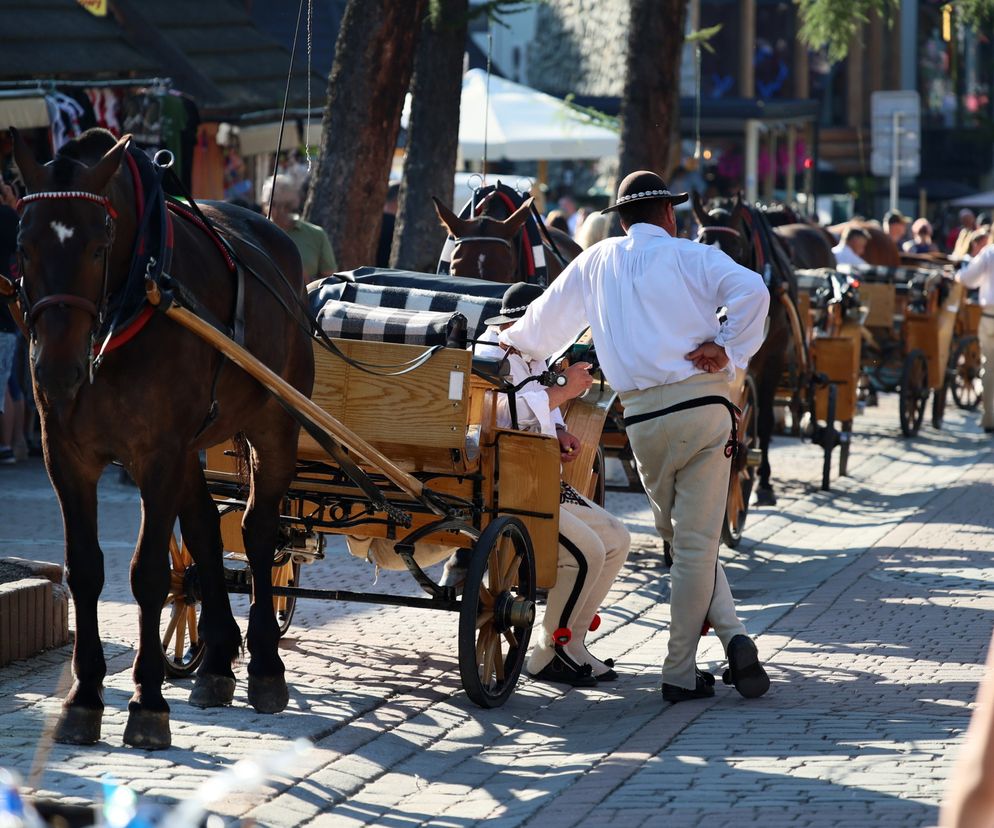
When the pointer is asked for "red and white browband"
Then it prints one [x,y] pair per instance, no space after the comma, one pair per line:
[55,195]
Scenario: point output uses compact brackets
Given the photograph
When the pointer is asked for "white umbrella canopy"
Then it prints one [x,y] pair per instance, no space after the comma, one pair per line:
[975,200]
[523,124]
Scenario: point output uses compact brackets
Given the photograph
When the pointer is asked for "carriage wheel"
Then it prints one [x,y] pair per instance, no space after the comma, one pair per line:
[965,366]
[597,476]
[497,612]
[182,648]
[286,573]
[914,392]
[743,472]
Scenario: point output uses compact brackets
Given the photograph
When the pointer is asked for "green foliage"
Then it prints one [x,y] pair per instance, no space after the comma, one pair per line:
[702,36]
[831,24]
[591,115]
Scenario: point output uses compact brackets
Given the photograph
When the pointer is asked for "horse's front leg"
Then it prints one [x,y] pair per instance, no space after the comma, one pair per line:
[75,482]
[160,480]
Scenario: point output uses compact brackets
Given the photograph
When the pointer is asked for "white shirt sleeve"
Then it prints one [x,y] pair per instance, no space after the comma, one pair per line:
[980,266]
[747,300]
[555,319]
[531,401]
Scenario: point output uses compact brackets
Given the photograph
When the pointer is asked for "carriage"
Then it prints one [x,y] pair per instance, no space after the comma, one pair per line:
[449,478]
[907,338]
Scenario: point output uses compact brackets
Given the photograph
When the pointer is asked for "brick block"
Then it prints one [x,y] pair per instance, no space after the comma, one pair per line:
[31,619]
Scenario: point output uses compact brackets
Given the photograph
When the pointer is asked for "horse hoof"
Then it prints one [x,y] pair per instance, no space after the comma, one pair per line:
[268,694]
[79,726]
[765,497]
[212,691]
[147,730]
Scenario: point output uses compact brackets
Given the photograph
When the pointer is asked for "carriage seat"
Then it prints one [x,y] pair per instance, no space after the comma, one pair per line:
[346,320]
[414,293]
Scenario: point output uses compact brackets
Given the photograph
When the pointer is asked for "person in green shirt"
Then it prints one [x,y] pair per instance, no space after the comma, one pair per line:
[315,248]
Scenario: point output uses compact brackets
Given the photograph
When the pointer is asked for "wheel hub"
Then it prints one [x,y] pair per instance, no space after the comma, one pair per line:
[513,611]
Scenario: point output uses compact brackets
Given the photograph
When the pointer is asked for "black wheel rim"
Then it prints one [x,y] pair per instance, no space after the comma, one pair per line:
[497,612]
[914,393]
[285,573]
[967,389]
[182,647]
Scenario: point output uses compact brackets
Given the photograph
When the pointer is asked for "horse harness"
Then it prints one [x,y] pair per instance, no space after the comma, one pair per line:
[731,447]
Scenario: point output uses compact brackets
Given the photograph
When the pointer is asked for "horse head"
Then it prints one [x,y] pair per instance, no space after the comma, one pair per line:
[727,226]
[484,246]
[73,246]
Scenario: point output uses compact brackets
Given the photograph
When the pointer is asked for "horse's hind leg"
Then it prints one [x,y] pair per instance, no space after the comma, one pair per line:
[273,459]
[160,478]
[76,486]
[201,527]
[765,393]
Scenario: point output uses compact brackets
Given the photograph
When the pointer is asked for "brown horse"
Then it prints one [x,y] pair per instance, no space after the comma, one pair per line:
[148,406]
[746,236]
[806,245]
[493,245]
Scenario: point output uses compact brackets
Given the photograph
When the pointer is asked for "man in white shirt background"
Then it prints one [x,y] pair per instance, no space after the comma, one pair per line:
[852,246]
[650,300]
[979,273]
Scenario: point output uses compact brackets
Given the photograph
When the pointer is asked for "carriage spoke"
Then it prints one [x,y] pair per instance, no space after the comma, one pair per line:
[499,660]
[511,638]
[167,636]
[486,598]
[506,579]
[181,635]
[192,624]
[481,644]
[176,556]
[488,660]
[484,618]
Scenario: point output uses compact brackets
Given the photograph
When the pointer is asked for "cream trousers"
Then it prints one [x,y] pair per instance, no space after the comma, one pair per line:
[986,336]
[593,545]
[683,467]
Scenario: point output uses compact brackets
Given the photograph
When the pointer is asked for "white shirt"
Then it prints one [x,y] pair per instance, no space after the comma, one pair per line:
[532,401]
[844,254]
[649,299]
[980,273]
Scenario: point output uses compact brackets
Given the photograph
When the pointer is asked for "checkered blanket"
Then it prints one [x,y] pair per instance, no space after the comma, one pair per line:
[347,320]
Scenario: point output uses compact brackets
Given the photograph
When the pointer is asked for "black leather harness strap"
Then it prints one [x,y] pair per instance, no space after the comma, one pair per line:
[731,447]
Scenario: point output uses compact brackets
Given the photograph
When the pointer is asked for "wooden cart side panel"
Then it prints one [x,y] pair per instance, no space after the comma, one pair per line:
[880,300]
[838,358]
[585,421]
[932,334]
[527,480]
[426,407]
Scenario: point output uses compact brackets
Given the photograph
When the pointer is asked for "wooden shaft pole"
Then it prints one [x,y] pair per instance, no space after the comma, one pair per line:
[276,385]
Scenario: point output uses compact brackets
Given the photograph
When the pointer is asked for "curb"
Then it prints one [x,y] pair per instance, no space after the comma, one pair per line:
[34,610]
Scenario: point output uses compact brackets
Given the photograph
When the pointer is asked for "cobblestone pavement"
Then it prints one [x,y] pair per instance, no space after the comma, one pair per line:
[872,604]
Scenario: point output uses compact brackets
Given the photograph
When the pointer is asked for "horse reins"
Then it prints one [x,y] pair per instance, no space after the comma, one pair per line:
[96,312]
[460,239]
[716,229]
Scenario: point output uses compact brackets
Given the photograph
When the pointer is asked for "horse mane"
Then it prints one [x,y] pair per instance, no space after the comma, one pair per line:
[86,149]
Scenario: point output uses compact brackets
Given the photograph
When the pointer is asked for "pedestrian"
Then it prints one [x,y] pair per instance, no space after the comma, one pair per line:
[958,240]
[921,238]
[896,226]
[852,246]
[593,544]
[649,299]
[8,330]
[594,229]
[969,800]
[316,255]
[979,273]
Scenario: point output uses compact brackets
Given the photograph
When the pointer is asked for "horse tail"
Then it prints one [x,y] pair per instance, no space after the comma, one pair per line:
[241,448]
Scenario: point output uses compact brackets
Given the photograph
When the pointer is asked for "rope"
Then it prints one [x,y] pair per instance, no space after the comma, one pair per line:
[286,98]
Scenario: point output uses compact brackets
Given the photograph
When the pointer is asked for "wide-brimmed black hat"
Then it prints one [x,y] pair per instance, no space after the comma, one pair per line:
[516,300]
[643,185]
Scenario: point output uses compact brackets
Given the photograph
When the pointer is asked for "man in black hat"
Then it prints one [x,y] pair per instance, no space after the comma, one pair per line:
[593,544]
[650,299]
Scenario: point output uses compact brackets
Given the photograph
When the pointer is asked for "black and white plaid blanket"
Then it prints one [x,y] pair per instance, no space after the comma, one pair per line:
[347,320]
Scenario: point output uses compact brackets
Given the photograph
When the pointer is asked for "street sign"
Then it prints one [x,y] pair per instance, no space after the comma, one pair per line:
[898,111]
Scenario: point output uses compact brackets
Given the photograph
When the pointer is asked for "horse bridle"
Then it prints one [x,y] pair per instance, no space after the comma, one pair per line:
[96,312]
[460,239]
[716,228]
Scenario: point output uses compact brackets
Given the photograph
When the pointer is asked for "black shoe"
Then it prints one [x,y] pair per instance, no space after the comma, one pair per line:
[610,675]
[745,670]
[559,672]
[707,677]
[702,690]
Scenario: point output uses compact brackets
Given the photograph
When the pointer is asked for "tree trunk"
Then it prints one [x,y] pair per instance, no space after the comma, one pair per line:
[432,138]
[372,70]
[650,103]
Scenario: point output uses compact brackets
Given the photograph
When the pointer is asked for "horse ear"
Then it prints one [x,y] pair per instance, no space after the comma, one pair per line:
[740,211]
[455,225]
[514,222]
[97,177]
[700,213]
[32,173]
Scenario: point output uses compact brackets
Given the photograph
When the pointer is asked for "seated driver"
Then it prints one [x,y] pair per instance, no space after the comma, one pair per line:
[593,544]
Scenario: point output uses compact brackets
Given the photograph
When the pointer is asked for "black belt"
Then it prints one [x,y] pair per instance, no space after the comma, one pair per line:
[731,447]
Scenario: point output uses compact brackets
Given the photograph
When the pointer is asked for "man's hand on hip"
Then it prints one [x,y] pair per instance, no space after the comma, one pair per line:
[708,357]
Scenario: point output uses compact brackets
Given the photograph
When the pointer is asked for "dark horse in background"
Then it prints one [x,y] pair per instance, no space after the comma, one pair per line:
[746,236]
[807,244]
[502,241]
[147,406]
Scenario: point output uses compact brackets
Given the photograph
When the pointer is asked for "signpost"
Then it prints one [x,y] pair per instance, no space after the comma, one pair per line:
[895,120]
